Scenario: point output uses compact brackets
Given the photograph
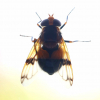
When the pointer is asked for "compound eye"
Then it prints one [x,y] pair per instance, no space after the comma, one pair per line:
[45,22]
[56,22]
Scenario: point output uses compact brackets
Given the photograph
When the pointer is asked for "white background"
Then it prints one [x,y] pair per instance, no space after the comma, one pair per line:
[19,17]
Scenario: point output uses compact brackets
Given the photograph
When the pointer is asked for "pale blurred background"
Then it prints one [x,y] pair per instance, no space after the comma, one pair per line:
[19,17]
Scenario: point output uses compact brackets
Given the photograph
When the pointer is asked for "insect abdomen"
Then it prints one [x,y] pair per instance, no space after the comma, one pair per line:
[50,60]
[50,65]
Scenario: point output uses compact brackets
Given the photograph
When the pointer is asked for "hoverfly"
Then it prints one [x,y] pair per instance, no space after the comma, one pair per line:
[49,51]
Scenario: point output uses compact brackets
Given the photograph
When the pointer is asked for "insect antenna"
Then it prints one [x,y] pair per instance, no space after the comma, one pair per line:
[66,19]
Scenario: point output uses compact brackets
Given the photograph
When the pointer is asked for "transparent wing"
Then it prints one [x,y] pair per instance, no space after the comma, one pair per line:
[66,71]
[30,66]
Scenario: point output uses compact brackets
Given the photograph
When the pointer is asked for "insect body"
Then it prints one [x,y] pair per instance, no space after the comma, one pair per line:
[53,49]
[50,52]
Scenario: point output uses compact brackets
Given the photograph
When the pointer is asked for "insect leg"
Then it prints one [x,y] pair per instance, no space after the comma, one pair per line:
[75,41]
[39,21]
[33,40]
[39,25]
[66,19]
[63,25]
[25,36]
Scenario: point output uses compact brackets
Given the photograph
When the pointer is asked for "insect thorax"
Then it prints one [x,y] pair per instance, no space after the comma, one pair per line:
[50,36]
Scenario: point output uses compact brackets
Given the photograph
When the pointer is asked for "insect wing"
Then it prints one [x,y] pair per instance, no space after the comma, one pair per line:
[30,66]
[66,71]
